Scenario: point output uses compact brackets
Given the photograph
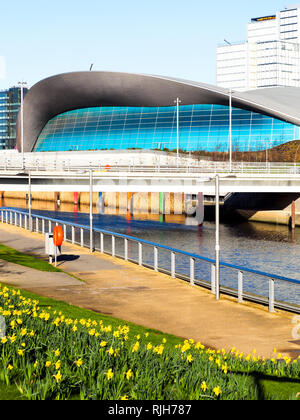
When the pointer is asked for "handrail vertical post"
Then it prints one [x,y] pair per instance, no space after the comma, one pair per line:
[126,249]
[271,295]
[213,278]
[140,254]
[73,234]
[113,246]
[155,256]
[81,237]
[192,271]
[173,265]
[102,243]
[240,287]
[43,226]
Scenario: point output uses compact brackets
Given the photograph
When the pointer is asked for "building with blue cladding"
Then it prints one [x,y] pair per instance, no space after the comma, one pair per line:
[119,111]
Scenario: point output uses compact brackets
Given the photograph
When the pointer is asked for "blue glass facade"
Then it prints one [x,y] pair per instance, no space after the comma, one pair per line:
[201,128]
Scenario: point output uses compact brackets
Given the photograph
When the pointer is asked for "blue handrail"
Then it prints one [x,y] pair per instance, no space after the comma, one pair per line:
[154,244]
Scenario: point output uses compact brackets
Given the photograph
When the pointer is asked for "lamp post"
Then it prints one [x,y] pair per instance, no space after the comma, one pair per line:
[217,231]
[230,130]
[91,212]
[177,101]
[217,244]
[21,85]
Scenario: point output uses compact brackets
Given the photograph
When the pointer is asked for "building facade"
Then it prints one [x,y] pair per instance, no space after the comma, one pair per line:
[270,56]
[86,111]
[10,101]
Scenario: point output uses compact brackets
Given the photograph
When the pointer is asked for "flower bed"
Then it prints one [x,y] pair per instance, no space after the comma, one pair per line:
[51,356]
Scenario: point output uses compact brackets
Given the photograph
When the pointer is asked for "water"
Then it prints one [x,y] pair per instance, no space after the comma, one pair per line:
[264,247]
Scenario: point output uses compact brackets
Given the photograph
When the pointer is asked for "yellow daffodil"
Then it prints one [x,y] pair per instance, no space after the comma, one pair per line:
[204,387]
[217,391]
[58,376]
[129,374]
[109,374]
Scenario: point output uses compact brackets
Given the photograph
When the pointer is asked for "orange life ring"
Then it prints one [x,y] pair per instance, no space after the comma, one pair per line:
[58,236]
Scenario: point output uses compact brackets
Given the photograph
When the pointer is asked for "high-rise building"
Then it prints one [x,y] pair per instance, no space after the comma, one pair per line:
[270,57]
[10,101]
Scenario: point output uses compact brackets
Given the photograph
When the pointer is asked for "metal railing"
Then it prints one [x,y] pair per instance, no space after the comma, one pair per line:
[105,242]
[184,166]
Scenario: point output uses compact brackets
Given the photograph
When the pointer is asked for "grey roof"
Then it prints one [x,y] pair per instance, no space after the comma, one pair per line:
[68,91]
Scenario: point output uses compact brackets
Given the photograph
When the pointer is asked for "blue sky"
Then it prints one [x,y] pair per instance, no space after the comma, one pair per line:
[178,38]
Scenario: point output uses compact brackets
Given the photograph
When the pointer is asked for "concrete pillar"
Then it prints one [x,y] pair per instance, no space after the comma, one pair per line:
[293,215]
[200,209]
[101,203]
[161,203]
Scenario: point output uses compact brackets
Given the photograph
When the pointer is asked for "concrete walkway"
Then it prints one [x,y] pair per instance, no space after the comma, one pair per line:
[137,294]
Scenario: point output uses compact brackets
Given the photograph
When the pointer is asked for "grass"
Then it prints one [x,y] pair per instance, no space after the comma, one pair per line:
[16,257]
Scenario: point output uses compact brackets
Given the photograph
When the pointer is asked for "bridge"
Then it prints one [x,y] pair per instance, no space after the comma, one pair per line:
[148,181]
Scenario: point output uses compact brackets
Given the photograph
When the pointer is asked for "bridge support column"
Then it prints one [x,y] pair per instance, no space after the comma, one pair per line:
[101,203]
[200,209]
[293,215]
[161,203]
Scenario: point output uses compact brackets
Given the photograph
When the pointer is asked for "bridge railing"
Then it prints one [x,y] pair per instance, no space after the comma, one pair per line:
[146,253]
[183,166]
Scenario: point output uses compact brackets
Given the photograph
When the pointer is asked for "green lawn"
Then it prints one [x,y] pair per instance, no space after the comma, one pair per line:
[14,256]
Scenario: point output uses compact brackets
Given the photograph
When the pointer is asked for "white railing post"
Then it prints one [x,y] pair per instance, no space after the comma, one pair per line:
[43,226]
[213,278]
[126,249]
[271,295]
[192,271]
[155,256]
[73,235]
[113,246]
[173,265]
[102,243]
[140,254]
[81,237]
[240,287]
[65,231]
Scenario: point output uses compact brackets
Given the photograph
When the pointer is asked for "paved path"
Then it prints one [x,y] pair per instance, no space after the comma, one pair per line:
[137,294]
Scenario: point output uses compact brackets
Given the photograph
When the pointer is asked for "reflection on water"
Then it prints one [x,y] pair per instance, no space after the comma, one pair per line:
[265,247]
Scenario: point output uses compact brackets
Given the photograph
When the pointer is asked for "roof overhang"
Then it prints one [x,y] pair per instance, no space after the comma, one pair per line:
[69,91]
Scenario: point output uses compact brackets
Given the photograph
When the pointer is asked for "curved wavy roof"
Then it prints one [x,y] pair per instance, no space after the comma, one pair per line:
[69,91]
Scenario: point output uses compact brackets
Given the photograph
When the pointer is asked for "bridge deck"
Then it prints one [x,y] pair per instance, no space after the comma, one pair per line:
[155,300]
